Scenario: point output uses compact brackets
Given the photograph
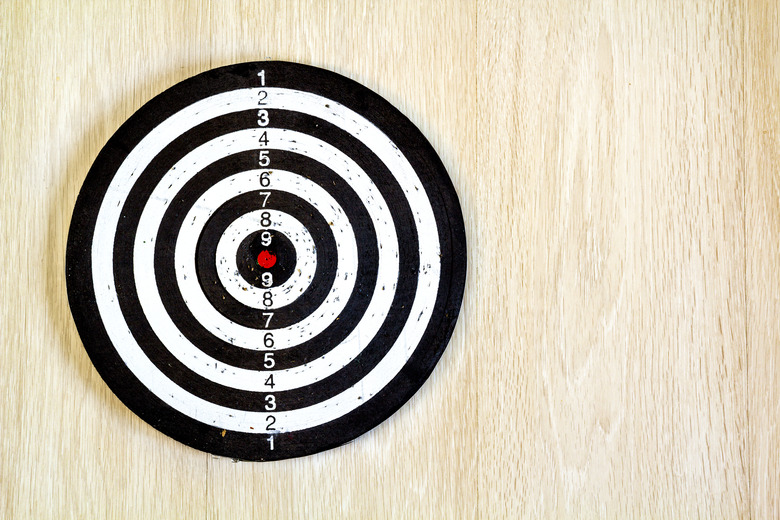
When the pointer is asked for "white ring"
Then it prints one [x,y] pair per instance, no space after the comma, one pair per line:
[282,294]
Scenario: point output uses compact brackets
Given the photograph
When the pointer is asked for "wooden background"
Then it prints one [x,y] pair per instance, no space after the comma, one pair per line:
[618,164]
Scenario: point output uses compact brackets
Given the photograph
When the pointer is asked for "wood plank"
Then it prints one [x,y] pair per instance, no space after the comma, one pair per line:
[613,362]
[422,462]
[762,158]
[71,74]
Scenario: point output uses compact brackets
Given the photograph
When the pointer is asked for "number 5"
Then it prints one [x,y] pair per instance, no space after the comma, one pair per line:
[263,159]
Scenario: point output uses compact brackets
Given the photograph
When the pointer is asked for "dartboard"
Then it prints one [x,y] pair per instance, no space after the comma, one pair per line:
[266,261]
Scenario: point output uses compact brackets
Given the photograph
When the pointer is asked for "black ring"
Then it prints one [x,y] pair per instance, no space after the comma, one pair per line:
[206,266]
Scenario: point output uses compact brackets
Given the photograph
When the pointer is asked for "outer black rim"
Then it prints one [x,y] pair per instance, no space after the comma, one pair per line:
[247,446]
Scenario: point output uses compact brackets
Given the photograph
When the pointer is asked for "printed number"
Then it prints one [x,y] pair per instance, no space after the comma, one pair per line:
[271,441]
[262,117]
[270,381]
[263,139]
[268,316]
[261,75]
[265,180]
[268,361]
[271,420]
[265,238]
[261,100]
[265,219]
[265,195]
[270,403]
[268,340]
[267,279]
[268,298]
[263,159]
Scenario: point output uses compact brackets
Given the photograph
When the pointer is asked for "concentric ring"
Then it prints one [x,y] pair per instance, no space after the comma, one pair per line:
[340,282]
[218,377]
[240,233]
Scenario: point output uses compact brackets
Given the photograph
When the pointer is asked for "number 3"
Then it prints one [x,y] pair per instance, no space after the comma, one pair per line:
[262,117]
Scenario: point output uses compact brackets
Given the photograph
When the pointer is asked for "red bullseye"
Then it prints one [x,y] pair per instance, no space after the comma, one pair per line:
[266,259]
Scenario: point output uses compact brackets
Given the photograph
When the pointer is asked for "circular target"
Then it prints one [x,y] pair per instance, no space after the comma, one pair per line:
[266,261]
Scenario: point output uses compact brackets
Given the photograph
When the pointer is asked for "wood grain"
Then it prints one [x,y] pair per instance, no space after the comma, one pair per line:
[618,165]
[622,130]
[762,224]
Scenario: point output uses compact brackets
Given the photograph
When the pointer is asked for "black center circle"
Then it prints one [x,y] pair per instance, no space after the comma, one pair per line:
[266,258]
